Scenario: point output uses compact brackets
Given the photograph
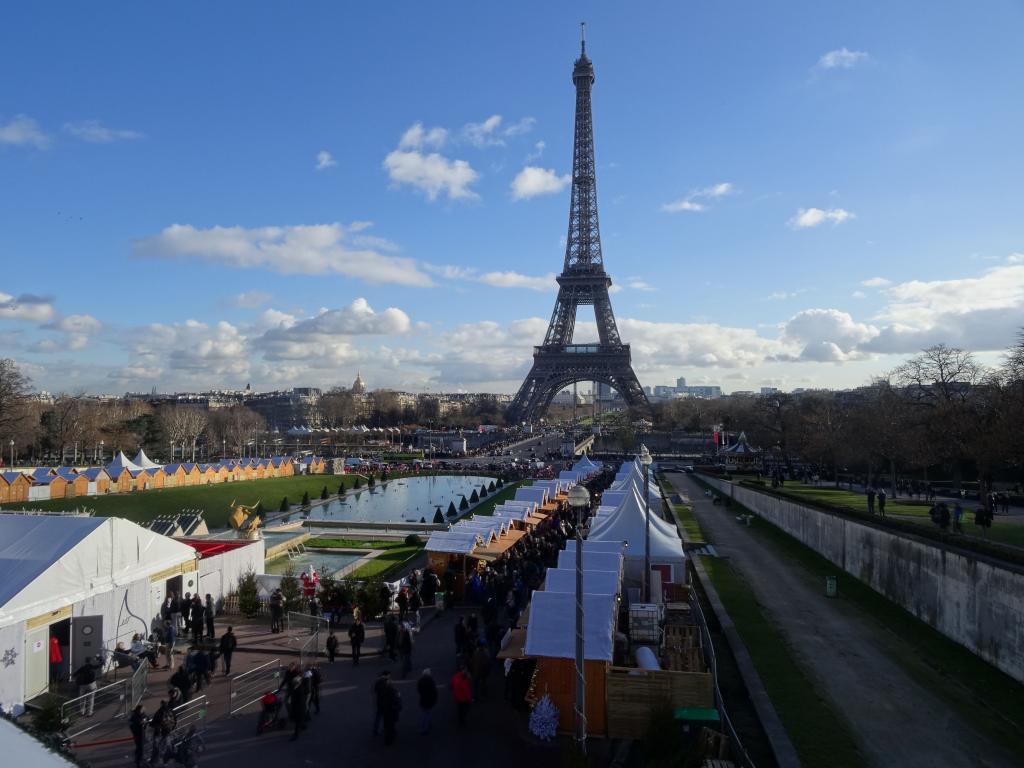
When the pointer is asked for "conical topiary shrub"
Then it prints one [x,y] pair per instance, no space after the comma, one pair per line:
[341,489]
[464,505]
[438,517]
[491,487]
[452,512]
[284,505]
[370,481]
[474,497]
[483,491]
[305,498]
[501,483]
[324,494]
[358,483]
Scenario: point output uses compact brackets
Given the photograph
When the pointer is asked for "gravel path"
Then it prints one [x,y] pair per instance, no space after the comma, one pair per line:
[896,721]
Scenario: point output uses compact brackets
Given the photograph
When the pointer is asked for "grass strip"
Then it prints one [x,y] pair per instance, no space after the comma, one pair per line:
[819,733]
[686,523]
[332,543]
[388,563]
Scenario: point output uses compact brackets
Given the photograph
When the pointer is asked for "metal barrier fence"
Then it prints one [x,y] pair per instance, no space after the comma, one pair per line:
[138,683]
[708,649]
[309,651]
[248,687]
[96,708]
[296,622]
[191,713]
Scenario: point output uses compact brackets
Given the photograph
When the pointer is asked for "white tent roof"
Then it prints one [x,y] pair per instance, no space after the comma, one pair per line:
[552,619]
[628,524]
[633,506]
[510,512]
[573,475]
[19,748]
[120,464]
[538,495]
[455,543]
[49,562]
[592,561]
[616,547]
[142,460]
[530,506]
[594,582]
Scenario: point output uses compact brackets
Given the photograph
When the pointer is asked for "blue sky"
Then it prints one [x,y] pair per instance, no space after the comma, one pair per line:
[218,194]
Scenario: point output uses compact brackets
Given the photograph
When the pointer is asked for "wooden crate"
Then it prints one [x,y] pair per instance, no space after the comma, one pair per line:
[635,694]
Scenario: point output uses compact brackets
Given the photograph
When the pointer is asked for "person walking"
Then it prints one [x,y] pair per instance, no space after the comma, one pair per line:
[197,612]
[228,643]
[958,514]
[85,679]
[379,692]
[315,679]
[426,689]
[356,638]
[276,610]
[391,636]
[332,647]
[461,637]
[209,611]
[481,669]
[137,725]
[162,724]
[298,696]
[392,706]
[405,649]
[171,638]
[402,601]
[881,502]
[462,692]
[415,603]
[871,500]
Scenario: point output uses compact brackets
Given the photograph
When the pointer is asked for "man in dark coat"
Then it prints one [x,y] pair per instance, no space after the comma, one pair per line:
[228,643]
[297,698]
[426,689]
[356,636]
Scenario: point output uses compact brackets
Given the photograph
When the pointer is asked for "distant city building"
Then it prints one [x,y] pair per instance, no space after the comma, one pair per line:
[359,386]
[767,391]
[681,382]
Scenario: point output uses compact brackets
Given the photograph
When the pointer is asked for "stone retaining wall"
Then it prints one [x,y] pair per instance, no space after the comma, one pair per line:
[974,600]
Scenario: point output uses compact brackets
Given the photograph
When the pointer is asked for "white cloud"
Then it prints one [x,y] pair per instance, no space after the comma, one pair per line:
[324,160]
[690,202]
[876,282]
[538,150]
[137,373]
[23,131]
[533,181]
[95,132]
[483,134]
[1015,258]
[433,174]
[417,137]
[859,295]
[827,335]
[812,217]
[490,133]
[250,299]
[27,306]
[516,280]
[312,250]
[639,285]
[86,324]
[841,58]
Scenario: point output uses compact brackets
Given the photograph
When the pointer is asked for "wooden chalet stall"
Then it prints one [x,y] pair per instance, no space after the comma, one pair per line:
[99,481]
[550,639]
[14,487]
[77,485]
[192,474]
[449,551]
[45,485]
[174,476]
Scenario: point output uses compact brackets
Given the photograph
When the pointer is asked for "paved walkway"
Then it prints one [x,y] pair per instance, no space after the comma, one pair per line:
[896,721]
[497,735]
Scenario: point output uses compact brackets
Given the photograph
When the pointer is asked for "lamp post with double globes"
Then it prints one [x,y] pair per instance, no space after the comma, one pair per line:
[645,462]
[579,500]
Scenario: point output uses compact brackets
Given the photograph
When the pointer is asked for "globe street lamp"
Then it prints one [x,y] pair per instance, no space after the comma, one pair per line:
[645,462]
[579,500]
[12,452]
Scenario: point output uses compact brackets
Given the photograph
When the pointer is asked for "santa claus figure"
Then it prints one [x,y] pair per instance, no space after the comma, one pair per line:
[310,581]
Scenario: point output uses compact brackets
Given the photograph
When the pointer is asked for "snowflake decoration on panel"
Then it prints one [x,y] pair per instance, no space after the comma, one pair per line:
[8,658]
[544,719]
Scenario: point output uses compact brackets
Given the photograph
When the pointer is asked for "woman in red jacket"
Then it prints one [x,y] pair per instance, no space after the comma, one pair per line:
[462,692]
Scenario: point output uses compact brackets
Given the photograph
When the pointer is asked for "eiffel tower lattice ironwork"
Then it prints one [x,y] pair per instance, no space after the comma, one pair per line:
[558,362]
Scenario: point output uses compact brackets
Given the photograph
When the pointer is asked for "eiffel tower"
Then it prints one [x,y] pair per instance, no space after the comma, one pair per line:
[558,362]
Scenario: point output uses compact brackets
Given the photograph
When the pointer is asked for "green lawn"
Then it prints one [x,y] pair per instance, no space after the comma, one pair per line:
[686,523]
[331,543]
[987,698]
[498,497]
[819,733]
[1001,532]
[214,500]
[388,563]
[834,497]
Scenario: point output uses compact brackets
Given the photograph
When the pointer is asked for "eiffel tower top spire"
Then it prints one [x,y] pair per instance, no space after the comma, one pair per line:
[583,243]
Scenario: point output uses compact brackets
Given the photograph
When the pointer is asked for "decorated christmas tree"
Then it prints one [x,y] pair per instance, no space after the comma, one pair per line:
[544,719]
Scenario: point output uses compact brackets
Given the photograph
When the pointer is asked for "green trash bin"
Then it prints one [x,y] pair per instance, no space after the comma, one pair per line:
[831,586]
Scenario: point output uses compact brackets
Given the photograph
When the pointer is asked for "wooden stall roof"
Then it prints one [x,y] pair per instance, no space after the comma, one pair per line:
[496,549]
[551,506]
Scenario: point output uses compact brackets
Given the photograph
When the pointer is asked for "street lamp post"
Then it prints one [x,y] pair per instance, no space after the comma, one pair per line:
[579,500]
[12,452]
[223,447]
[645,462]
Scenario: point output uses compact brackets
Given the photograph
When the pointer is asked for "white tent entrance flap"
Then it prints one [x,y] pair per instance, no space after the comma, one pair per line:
[37,654]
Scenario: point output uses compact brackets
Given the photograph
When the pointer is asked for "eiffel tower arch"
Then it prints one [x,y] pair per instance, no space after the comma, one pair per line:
[558,362]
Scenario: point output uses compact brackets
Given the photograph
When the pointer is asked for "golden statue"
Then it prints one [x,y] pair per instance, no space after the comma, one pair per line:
[246,519]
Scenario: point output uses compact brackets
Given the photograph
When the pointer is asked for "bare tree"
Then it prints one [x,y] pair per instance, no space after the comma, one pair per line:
[15,411]
[193,420]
